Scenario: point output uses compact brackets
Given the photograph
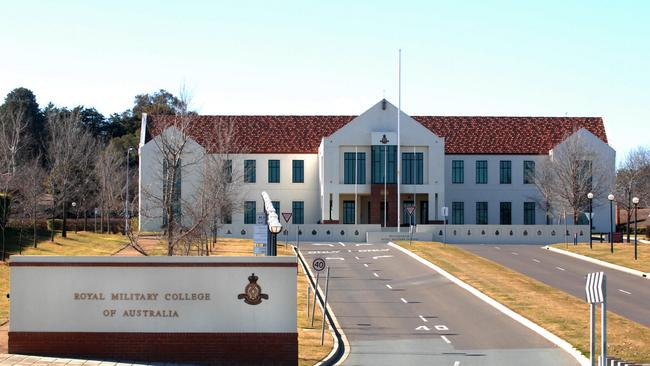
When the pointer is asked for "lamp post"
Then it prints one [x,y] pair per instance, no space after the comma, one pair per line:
[274,229]
[635,201]
[126,199]
[591,216]
[74,205]
[611,223]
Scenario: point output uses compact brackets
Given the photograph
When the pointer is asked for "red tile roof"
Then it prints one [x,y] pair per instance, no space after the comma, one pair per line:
[463,135]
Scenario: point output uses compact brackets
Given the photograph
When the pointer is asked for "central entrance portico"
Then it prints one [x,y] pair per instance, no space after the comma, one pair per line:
[358,170]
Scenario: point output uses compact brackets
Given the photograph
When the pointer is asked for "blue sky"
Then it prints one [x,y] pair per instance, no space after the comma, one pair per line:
[546,58]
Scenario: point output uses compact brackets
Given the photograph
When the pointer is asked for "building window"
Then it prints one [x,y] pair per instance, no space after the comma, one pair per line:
[384,160]
[457,171]
[276,206]
[250,212]
[529,213]
[505,172]
[505,213]
[298,210]
[227,168]
[481,172]
[274,171]
[298,171]
[584,178]
[412,168]
[481,213]
[529,172]
[349,172]
[172,198]
[348,212]
[458,213]
[249,171]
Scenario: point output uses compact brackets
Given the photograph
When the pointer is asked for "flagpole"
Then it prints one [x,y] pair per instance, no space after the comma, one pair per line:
[356,179]
[385,179]
[415,188]
[399,155]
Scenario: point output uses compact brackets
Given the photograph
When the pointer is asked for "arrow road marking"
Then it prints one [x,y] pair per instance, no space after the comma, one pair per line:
[341,244]
[404,300]
[445,339]
[382,256]
[375,274]
[423,327]
[423,318]
[389,286]
[326,245]
[625,292]
[328,258]
[536,260]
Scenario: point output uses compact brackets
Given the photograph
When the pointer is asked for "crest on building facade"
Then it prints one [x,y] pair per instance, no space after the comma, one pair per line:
[253,292]
[384,140]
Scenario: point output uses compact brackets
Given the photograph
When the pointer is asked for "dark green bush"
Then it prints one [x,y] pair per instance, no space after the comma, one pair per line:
[58,224]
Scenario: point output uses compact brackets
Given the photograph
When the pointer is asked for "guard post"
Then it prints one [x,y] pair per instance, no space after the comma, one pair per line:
[596,293]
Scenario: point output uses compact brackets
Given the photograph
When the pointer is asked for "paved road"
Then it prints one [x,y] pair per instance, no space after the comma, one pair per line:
[627,295]
[396,311]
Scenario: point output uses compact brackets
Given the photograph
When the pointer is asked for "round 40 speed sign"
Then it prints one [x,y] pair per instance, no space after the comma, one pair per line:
[318,264]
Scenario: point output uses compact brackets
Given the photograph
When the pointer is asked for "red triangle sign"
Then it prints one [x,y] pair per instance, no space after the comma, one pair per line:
[287,216]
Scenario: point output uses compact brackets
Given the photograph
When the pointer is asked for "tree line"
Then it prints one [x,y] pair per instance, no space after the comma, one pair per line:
[53,156]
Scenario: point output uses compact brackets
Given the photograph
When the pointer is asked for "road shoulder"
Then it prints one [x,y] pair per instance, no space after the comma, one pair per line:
[599,262]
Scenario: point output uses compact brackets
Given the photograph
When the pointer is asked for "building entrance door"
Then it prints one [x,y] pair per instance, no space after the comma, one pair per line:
[424,212]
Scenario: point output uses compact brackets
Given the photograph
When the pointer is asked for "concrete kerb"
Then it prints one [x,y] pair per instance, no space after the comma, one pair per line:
[561,343]
[332,358]
[617,267]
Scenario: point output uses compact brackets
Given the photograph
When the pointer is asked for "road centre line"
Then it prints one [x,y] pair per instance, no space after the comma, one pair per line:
[342,244]
[423,318]
[514,253]
[375,274]
[498,248]
[326,245]
[339,258]
[560,268]
[323,252]
[365,265]
[362,244]
[382,256]
[372,250]
[445,339]
[536,260]
[625,292]
[389,286]
[357,258]
[404,300]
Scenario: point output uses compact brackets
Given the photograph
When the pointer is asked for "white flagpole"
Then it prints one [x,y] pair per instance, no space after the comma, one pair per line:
[415,188]
[385,179]
[399,155]
[356,179]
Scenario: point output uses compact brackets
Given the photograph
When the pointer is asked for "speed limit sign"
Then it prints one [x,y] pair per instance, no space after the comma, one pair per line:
[318,264]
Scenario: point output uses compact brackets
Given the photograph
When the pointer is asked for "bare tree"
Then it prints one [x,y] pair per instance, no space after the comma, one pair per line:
[543,178]
[70,154]
[565,179]
[632,179]
[32,178]
[108,168]
[13,127]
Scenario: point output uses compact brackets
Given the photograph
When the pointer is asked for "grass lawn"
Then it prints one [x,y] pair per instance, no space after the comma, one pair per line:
[562,314]
[83,243]
[623,253]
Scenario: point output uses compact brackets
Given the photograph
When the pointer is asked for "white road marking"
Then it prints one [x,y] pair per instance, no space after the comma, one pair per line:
[498,248]
[625,292]
[341,244]
[536,260]
[323,252]
[389,286]
[445,339]
[360,245]
[423,327]
[382,256]
[375,274]
[514,253]
[357,258]
[365,265]
[423,318]
[560,268]
[373,250]
[456,363]
[441,327]
[404,300]
[338,258]
[325,245]
[349,251]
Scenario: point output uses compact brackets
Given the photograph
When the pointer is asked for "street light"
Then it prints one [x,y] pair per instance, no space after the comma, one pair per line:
[74,204]
[126,199]
[611,223]
[591,216]
[635,200]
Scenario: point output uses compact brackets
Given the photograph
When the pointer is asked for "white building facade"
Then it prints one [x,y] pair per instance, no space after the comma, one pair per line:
[338,172]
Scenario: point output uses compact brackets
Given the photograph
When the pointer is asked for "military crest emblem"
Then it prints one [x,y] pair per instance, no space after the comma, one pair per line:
[253,292]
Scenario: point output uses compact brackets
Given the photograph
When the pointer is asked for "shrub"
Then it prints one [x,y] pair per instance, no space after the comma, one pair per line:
[58,224]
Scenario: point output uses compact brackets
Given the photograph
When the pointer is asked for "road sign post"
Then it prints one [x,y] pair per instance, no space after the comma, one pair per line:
[260,234]
[287,216]
[318,265]
[596,291]
[445,213]
[411,210]
[327,286]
